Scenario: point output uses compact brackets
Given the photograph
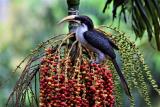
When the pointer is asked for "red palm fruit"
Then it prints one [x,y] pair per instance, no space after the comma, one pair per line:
[90,86]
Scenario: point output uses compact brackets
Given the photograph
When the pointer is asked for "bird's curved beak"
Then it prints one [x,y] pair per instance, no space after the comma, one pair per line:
[69,18]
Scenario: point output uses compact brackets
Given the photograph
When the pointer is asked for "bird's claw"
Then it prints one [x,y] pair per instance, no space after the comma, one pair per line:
[93,62]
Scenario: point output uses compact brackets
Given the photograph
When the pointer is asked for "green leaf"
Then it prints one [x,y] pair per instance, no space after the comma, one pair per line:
[156,24]
[140,25]
[107,3]
[157,6]
[145,18]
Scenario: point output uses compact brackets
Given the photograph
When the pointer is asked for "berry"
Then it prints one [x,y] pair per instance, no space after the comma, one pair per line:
[84,85]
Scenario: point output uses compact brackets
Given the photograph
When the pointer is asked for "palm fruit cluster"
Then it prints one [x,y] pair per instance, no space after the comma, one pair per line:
[63,84]
[137,72]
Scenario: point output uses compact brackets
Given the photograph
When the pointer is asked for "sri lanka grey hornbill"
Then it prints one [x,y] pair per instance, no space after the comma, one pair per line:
[96,42]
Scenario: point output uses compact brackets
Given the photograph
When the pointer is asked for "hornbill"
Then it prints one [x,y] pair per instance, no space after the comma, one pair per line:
[97,42]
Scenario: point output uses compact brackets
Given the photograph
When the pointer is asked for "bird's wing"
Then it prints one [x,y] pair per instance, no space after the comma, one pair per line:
[99,41]
[113,44]
[110,41]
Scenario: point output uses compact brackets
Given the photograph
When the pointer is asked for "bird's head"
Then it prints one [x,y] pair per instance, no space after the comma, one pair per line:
[80,20]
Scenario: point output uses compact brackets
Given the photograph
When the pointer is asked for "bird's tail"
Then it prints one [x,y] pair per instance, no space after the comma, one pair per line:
[123,81]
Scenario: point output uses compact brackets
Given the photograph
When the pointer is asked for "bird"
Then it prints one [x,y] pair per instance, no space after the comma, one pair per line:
[96,42]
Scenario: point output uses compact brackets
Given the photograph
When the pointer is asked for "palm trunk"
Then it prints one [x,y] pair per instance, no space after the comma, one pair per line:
[73,9]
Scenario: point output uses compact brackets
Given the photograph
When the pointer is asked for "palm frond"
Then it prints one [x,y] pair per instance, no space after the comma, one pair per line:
[145,16]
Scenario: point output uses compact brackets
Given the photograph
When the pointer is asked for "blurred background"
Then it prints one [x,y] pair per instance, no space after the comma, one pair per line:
[26,23]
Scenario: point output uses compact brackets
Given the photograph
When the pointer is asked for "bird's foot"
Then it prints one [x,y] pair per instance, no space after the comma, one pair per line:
[93,62]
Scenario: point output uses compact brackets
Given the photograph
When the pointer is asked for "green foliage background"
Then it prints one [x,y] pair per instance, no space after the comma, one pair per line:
[26,23]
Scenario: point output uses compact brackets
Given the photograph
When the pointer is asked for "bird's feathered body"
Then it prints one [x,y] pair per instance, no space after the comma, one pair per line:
[100,44]
[97,42]
[80,35]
